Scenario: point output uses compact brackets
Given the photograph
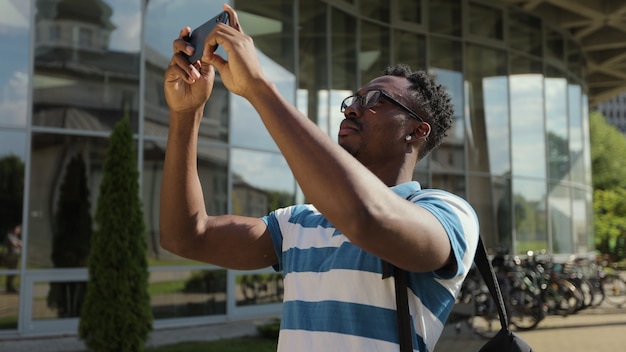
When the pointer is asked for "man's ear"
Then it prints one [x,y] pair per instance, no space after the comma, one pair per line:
[422,131]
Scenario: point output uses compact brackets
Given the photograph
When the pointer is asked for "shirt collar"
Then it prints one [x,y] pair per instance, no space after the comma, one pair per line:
[406,189]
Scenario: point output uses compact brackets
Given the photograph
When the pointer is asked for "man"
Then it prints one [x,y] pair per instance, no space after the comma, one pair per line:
[14,244]
[330,251]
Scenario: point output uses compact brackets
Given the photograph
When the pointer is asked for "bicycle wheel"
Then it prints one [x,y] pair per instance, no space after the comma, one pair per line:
[485,322]
[614,288]
[526,310]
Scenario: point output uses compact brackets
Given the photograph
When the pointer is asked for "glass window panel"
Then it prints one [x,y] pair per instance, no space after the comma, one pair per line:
[15,41]
[582,218]
[66,173]
[374,51]
[527,125]
[343,53]
[445,17]
[410,49]
[262,182]
[556,125]
[187,293]
[9,305]
[486,21]
[376,9]
[491,199]
[58,300]
[488,109]
[525,33]
[88,78]
[313,62]
[410,11]
[12,156]
[529,208]
[272,28]
[560,205]
[576,143]
[159,35]
[213,173]
[449,72]
[555,45]
[254,289]
[451,183]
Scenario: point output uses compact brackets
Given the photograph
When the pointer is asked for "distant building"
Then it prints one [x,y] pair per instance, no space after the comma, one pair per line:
[614,110]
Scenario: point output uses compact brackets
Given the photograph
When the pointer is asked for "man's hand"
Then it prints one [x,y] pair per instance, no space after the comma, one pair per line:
[187,86]
[241,73]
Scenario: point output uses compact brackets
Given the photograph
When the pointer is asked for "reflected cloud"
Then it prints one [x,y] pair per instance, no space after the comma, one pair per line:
[267,171]
[13,99]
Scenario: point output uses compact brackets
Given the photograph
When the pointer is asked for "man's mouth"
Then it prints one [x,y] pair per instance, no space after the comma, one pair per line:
[348,127]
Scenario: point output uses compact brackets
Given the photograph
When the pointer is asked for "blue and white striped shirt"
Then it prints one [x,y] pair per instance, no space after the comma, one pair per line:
[335,298]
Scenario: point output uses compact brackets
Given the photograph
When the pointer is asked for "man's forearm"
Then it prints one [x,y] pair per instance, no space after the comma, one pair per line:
[182,206]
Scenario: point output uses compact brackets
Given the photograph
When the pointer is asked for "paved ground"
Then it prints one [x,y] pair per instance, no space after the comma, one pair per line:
[598,330]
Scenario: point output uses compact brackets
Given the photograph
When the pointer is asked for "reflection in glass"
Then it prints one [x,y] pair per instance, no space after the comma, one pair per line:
[64,186]
[14,38]
[576,134]
[451,183]
[560,203]
[262,182]
[488,108]
[410,11]
[491,199]
[212,170]
[259,289]
[555,45]
[9,307]
[376,9]
[525,32]
[248,130]
[556,126]
[410,49]
[374,50]
[527,125]
[313,62]
[445,17]
[272,28]
[343,51]
[486,21]
[12,170]
[86,72]
[187,293]
[529,208]
[448,68]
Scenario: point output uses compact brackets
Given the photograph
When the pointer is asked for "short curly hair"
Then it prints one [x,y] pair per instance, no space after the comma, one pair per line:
[429,98]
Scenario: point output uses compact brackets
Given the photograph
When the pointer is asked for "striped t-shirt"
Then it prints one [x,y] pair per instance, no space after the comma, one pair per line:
[335,298]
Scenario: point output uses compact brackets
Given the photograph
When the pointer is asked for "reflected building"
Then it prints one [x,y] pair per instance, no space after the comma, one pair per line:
[518,151]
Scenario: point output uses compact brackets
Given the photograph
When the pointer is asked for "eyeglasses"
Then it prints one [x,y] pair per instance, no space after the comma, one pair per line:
[371,97]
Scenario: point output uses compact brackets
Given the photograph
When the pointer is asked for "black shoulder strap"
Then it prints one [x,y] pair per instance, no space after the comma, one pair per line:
[486,270]
[405,332]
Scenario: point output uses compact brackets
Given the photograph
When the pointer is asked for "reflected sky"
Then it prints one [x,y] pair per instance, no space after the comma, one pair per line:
[13,143]
[267,171]
[14,38]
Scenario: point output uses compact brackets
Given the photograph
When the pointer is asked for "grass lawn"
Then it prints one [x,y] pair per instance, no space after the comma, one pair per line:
[241,344]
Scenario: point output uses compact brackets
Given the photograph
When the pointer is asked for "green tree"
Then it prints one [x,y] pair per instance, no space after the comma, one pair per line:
[11,192]
[610,221]
[608,152]
[71,240]
[116,315]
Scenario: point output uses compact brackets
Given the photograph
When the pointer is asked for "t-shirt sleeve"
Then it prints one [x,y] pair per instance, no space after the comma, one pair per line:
[460,222]
[273,224]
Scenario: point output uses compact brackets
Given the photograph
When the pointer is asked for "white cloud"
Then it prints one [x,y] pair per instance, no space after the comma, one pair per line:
[13,100]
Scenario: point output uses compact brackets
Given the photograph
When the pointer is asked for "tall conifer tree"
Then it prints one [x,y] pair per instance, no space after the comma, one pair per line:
[116,315]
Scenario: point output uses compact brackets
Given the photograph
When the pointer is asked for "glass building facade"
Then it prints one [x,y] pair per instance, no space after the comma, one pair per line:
[70,69]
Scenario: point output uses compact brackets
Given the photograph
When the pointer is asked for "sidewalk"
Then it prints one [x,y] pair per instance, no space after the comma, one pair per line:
[599,330]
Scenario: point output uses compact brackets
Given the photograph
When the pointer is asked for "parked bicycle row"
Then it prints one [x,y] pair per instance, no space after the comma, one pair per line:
[535,286]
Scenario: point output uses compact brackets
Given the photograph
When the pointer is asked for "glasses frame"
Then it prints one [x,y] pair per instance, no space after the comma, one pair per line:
[359,98]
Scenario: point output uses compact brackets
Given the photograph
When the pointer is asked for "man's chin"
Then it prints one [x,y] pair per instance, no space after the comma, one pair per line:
[353,151]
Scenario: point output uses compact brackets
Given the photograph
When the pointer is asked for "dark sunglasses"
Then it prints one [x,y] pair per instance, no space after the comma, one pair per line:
[371,97]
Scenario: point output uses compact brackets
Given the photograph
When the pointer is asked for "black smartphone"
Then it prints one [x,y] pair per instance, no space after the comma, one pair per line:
[197,36]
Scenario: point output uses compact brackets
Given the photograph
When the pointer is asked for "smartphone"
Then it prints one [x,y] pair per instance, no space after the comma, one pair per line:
[197,36]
